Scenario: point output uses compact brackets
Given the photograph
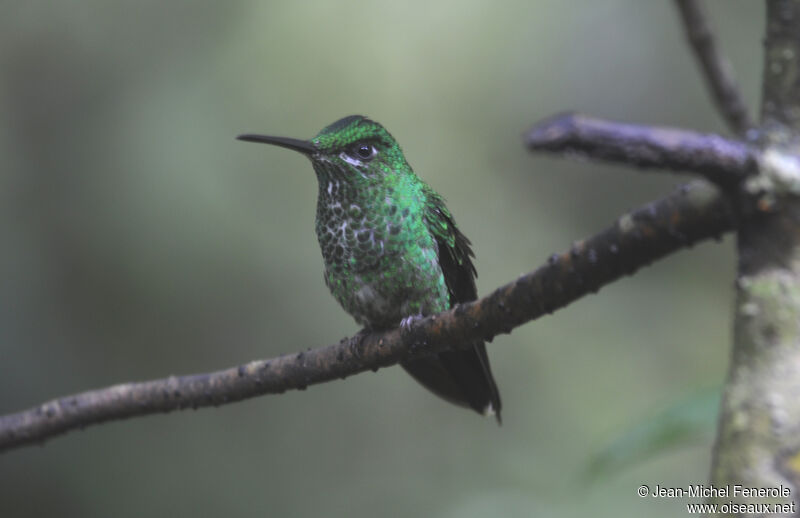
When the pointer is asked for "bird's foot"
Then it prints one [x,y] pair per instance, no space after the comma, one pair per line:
[407,322]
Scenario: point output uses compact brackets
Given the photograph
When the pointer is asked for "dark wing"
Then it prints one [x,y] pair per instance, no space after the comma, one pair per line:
[464,376]
[455,254]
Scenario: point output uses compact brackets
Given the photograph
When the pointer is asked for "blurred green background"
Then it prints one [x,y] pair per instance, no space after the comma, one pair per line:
[139,239]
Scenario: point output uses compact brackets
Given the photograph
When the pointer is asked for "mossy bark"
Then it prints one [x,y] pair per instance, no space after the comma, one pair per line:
[758,441]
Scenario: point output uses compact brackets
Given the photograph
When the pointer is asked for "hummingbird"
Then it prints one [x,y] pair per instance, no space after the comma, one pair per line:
[392,251]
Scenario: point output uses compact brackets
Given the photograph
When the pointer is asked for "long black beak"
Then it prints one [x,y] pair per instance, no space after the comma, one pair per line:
[301,146]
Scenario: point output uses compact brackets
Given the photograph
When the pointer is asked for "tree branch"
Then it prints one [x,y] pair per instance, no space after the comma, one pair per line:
[716,69]
[758,437]
[719,160]
[780,103]
[695,212]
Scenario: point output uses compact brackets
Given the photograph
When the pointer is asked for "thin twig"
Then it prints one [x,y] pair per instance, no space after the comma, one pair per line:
[722,161]
[717,70]
[693,213]
[780,101]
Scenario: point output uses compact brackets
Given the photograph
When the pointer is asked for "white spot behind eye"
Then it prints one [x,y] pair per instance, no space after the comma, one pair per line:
[350,160]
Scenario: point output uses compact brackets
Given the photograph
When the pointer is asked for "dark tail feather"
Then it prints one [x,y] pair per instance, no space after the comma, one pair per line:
[460,377]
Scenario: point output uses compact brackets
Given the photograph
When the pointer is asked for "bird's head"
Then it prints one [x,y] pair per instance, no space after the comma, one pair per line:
[354,148]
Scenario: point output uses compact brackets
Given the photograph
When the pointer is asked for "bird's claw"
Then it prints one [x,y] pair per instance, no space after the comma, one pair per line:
[407,322]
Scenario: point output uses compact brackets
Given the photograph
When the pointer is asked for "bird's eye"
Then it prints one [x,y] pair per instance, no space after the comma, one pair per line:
[364,151]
